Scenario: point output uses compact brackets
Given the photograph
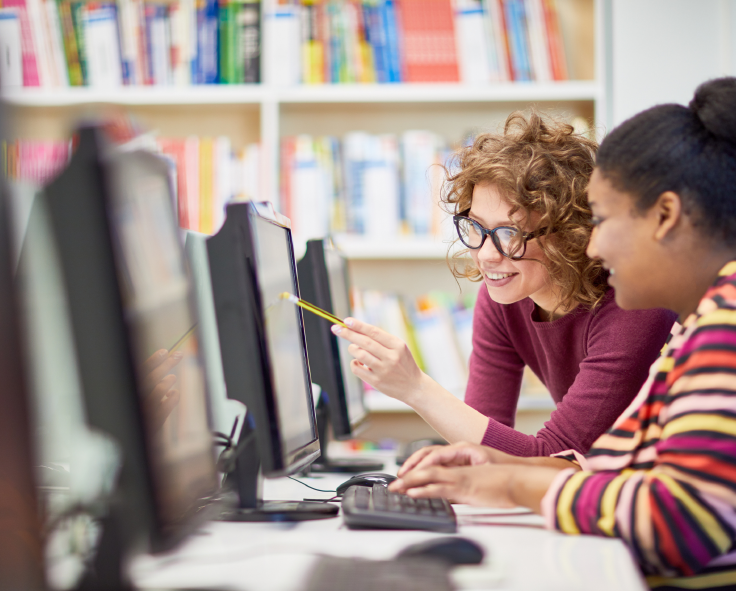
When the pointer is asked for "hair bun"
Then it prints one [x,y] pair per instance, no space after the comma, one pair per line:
[714,104]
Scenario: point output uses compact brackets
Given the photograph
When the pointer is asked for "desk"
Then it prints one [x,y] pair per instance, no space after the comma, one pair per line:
[520,554]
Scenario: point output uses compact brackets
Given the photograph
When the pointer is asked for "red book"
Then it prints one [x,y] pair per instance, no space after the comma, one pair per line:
[288,145]
[175,149]
[28,49]
[428,31]
[554,39]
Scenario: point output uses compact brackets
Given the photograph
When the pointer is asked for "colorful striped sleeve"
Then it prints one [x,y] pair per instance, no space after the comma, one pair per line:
[673,504]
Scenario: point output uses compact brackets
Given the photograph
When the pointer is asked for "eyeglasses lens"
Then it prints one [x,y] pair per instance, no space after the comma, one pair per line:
[507,239]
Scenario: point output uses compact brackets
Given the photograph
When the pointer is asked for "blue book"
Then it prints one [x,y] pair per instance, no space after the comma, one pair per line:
[375,36]
[207,43]
[518,46]
[392,41]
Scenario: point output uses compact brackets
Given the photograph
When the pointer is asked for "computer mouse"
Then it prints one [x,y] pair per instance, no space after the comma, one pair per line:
[451,549]
[367,479]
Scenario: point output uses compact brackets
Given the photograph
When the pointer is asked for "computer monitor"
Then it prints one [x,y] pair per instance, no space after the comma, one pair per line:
[323,278]
[136,346]
[264,357]
[21,551]
[227,414]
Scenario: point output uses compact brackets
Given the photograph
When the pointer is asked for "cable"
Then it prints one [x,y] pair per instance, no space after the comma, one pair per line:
[305,484]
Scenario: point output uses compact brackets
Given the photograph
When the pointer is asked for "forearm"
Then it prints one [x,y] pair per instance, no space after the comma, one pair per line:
[527,485]
[448,415]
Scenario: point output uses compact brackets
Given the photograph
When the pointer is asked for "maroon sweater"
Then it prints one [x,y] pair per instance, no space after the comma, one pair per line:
[593,362]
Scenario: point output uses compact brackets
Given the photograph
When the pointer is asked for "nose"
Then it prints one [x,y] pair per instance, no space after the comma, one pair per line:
[592,250]
[489,253]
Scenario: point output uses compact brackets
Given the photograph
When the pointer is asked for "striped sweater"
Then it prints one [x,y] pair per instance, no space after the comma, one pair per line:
[663,478]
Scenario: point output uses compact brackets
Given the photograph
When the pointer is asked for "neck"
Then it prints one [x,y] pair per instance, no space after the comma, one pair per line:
[548,304]
[695,278]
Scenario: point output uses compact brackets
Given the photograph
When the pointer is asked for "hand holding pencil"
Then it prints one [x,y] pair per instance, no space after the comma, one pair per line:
[312,308]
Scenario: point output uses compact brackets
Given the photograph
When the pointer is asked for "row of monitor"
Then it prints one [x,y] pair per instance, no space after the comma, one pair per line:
[141,312]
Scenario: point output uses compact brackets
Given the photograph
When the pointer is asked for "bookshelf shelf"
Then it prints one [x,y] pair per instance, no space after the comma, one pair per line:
[404,249]
[329,93]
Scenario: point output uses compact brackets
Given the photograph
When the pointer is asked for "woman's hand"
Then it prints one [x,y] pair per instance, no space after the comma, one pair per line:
[458,454]
[382,360]
[485,485]
[488,485]
[159,387]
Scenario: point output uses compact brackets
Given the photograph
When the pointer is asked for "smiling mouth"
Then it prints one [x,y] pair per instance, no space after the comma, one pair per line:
[499,276]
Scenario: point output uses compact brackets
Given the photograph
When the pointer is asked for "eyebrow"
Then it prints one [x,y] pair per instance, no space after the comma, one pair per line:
[505,223]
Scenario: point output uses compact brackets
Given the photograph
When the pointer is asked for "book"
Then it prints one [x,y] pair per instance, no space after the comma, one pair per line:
[282,34]
[69,38]
[249,42]
[31,76]
[538,42]
[102,47]
[428,35]
[496,28]
[54,34]
[472,42]
[11,64]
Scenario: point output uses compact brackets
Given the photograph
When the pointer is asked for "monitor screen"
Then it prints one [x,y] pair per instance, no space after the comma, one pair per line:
[337,277]
[164,337]
[284,334]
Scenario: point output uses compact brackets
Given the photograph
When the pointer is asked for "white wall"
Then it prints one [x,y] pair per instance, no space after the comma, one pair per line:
[662,49]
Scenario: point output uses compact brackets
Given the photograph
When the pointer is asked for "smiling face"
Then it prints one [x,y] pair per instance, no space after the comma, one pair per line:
[627,244]
[509,281]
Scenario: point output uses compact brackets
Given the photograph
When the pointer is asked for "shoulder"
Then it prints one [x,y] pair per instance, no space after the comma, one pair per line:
[608,316]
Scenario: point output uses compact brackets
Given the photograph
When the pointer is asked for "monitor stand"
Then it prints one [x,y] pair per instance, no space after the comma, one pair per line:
[246,481]
[341,465]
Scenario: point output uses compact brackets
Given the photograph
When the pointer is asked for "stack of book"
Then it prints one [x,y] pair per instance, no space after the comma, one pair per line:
[377,186]
[471,41]
[56,43]
[207,174]
[35,162]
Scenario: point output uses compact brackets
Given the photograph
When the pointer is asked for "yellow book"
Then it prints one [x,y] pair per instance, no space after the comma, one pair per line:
[206,179]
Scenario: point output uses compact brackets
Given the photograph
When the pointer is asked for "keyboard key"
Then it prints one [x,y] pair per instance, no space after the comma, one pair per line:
[375,507]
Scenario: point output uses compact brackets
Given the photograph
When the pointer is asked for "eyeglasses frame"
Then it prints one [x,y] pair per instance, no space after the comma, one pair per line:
[484,232]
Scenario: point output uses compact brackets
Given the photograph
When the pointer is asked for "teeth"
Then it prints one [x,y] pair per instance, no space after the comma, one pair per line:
[497,276]
[611,271]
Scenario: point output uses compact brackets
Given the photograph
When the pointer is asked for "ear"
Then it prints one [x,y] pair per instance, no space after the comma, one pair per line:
[668,213]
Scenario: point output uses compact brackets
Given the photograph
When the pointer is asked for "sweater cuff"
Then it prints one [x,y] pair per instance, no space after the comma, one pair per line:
[549,501]
[505,439]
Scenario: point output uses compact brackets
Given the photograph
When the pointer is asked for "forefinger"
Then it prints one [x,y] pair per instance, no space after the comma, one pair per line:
[373,332]
[414,459]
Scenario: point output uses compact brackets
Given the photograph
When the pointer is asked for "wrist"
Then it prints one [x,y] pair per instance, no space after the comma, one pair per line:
[422,393]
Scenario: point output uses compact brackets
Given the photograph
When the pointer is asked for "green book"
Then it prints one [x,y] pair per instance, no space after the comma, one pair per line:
[69,37]
[78,21]
[225,44]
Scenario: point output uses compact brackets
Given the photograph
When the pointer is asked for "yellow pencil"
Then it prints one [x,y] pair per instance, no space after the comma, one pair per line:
[312,308]
[184,337]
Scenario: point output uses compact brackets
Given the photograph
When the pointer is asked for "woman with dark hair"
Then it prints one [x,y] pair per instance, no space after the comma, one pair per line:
[663,478]
[521,212]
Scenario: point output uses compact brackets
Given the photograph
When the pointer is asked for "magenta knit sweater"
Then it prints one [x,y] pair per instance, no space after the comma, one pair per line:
[592,362]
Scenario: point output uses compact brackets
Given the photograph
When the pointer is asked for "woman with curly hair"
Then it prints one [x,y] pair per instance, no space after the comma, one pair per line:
[520,207]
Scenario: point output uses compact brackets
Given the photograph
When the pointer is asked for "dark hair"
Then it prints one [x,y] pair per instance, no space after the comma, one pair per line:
[688,150]
[540,165]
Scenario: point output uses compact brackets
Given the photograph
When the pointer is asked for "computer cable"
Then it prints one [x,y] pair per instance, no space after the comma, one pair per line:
[308,486]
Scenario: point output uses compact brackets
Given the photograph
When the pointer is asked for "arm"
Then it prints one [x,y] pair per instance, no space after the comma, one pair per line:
[676,511]
[620,348]
[385,362]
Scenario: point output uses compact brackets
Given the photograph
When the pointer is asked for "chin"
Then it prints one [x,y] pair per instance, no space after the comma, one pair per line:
[503,298]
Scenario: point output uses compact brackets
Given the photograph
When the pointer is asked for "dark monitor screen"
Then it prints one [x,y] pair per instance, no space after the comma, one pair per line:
[284,333]
[129,298]
[156,300]
[262,336]
[337,275]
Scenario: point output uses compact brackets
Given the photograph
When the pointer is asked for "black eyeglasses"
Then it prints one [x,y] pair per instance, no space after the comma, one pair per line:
[509,241]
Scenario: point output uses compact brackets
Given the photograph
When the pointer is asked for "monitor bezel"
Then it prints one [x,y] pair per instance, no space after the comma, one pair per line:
[325,354]
[249,370]
[82,226]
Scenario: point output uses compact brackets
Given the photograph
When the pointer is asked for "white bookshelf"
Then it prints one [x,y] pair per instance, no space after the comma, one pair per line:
[265,113]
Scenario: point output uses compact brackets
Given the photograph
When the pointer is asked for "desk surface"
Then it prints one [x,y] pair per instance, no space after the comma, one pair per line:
[520,553]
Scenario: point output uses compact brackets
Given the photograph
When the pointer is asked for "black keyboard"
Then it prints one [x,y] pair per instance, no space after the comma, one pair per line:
[357,574]
[377,508]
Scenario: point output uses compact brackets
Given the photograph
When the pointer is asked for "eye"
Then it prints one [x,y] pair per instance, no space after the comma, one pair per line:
[596,220]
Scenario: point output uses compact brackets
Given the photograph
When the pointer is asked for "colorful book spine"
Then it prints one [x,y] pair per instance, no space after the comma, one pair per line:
[28,51]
